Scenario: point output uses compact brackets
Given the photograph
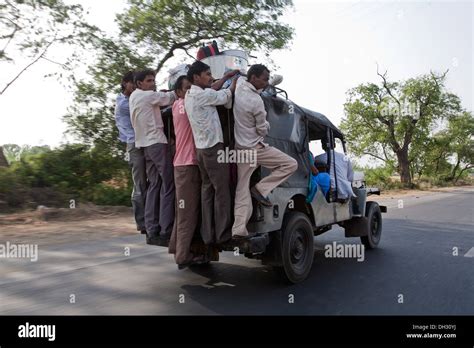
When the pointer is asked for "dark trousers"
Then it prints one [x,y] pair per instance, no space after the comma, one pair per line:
[215,196]
[188,203]
[136,160]
[159,204]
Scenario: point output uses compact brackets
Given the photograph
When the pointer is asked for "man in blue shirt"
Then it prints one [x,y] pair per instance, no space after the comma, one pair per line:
[135,155]
[318,179]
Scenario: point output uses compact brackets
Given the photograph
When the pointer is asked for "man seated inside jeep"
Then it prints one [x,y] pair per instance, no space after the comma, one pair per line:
[319,179]
[344,172]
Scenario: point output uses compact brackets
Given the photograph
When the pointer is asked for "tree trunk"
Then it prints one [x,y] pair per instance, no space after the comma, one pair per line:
[404,167]
[460,173]
[455,169]
[3,159]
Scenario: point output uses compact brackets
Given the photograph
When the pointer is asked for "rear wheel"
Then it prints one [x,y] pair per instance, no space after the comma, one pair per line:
[297,248]
[374,224]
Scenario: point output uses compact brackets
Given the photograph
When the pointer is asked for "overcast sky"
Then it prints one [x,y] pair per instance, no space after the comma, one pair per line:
[336,47]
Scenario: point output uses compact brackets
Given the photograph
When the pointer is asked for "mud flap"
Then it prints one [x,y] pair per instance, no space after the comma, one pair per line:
[356,227]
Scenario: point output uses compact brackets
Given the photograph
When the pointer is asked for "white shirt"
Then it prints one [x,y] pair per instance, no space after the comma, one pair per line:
[344,172]
[250,123]
[146,117]
[200,105]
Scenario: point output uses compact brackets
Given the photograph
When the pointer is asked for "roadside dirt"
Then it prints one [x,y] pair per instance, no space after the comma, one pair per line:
[57,226]
[414,193]
[46,226]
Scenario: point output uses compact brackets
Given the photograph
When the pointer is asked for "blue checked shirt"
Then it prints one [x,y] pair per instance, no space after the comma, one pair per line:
[122,119]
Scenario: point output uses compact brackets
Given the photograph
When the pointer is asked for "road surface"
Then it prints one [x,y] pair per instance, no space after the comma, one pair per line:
[424,266]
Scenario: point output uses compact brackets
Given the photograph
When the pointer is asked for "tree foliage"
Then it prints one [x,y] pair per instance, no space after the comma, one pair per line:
[160,27]
[31,28]
[14,152]
[394,121]
[73,171]
[150,34]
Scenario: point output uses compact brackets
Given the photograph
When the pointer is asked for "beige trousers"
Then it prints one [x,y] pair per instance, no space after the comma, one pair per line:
[281,166]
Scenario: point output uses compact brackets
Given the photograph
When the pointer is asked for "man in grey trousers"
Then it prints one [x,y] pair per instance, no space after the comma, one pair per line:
[135,156]
[147,123]
[200,104]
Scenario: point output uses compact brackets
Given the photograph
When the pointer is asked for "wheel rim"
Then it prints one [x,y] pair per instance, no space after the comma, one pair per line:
[298,249]
[375,227]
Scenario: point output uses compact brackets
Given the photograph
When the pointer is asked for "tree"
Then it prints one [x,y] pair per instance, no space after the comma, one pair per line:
[3,159]
[54,176]
[393,121]
[15,153]
[91,117]
[449,153]
[151,34]
[30,28]
[460,133]
[432,160]
[161,26]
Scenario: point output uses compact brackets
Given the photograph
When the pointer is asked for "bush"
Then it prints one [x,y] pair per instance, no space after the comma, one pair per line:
[16,195]
[54,177]
[13,194]
[381,177]
[106,195]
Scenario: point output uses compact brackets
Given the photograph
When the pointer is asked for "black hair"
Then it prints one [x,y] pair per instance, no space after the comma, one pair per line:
[196,68]
[142,74]
[179,82]
[324,144]
[128,77]
[257,70]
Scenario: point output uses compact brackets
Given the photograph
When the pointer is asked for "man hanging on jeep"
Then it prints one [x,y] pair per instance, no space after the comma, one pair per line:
[250,129]
[200,104]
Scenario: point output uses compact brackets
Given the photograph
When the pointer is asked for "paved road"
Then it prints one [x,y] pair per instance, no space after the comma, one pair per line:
[415,260]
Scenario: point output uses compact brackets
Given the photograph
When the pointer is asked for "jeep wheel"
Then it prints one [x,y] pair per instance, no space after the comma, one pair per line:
[374,223]
[297,248]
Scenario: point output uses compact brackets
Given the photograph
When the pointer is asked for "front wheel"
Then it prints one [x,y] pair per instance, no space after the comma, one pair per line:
[374,225]
[297,248]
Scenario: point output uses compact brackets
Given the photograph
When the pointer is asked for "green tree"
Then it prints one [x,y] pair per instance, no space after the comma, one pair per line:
[460,133]
[91,116]
[162,26]
[393,121]
[14,152]
[150,34]
[447,154]
[3,159]
[30,28]
[72,171]
[432,160]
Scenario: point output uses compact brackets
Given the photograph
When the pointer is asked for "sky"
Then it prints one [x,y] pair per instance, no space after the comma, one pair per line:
[337,46]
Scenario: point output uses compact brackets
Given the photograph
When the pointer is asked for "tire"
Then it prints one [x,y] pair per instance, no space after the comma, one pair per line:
[374,217]
[297,248]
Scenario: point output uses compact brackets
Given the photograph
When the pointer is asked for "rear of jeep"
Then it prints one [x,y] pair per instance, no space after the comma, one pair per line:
[285,232]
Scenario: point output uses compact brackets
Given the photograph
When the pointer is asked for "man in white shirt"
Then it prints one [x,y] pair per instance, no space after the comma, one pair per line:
[344,172]
[148,126]
[200,104]
[250,129]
